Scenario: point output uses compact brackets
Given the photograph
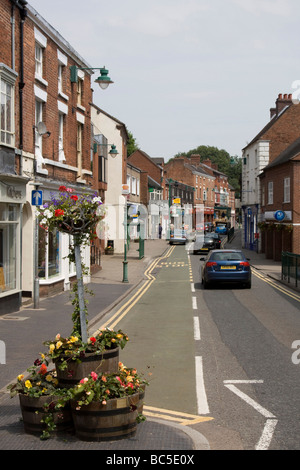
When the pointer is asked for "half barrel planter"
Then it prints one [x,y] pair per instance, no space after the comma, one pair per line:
[33,412]
[114,421]
[106,362]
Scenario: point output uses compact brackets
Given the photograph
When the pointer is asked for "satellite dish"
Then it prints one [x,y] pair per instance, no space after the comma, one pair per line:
[41,128]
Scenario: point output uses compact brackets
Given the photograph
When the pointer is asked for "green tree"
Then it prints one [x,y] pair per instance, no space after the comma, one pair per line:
[132,144]
[230,166]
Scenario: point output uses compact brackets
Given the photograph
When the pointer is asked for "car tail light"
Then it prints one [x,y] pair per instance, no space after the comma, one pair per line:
[209,264]
[244,263]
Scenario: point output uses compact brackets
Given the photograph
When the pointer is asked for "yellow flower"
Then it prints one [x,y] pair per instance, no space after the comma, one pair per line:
[119,336]
[113,340]
[129,378]
[48,378]
[73,339]
[44,390]
[58,344]
[20,377]
[57,337]
[51,348]
[28,384]
[42,356]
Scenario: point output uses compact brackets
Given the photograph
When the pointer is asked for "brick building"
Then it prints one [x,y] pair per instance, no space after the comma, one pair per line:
[45,142]
[280,203]
[281,131]
[209,185]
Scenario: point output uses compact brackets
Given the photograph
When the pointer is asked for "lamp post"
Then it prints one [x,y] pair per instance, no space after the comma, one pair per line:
[103,80]
[125,192]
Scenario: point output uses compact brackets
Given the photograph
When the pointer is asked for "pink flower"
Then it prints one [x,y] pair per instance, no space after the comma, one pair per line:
[83,381]
[94,376]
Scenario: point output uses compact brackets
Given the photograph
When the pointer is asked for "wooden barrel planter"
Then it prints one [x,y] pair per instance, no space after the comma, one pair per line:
[33,412]
[108,361]
[113,421]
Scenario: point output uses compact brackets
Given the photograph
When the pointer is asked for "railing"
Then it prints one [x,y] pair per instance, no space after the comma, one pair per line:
[290,267]
[230,234]
[95,255]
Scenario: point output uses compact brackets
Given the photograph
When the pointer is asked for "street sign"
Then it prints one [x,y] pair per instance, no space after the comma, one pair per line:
[279,215]
[36,197]
[125,189]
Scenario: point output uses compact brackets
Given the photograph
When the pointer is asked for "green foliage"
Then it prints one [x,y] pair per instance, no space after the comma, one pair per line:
[132,144]
[230,166]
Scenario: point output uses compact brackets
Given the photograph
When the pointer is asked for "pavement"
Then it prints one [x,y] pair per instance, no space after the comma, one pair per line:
[152,435]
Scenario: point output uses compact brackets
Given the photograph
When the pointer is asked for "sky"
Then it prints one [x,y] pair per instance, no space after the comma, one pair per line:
[186,72]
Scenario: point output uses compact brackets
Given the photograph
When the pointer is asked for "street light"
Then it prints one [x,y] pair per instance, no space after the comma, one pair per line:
[113,151]
[103,80]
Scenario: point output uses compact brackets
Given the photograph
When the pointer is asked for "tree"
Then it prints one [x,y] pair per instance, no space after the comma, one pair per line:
[230,166]
[132,144]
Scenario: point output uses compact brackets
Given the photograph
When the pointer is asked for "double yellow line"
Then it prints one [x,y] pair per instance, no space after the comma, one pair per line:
[275,284]
[114,320]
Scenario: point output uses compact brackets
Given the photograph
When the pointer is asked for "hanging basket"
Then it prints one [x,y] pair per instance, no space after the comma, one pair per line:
[76,370]
[76,225]
[115,420]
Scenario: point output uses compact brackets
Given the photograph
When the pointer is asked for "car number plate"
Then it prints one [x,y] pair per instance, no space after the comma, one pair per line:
[228,267]
[204,249]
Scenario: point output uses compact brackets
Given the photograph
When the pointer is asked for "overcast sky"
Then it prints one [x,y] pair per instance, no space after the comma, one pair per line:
[186,72]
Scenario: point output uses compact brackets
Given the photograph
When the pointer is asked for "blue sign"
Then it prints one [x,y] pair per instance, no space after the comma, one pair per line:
[279,215]
[36,197]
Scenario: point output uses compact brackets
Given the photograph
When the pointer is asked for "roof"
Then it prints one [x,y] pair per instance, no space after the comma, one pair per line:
[153,184]
[267,127]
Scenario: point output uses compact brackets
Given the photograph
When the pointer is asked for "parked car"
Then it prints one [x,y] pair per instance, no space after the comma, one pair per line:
[208,226]
[204,243]
[178,236]
[226,266]
[221,228]
[217,240]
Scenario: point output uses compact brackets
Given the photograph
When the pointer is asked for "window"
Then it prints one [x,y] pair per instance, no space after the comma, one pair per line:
[62,63]
[79,149]
[9,218]
[133,185]
[38,136]
[128,183]
[40,46]
[137,187]
[287,191]
[270,192]
[60,78]
[61,153]
[49,254]
[7,89]
[38,60]
[80,88]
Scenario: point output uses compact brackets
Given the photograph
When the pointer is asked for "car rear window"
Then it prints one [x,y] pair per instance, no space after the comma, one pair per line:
[227,256]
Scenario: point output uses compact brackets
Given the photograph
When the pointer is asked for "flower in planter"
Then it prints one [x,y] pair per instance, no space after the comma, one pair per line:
[103,387]
[62,350]
[39,382]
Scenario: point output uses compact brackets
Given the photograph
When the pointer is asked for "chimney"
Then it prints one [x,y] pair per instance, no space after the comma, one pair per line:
[207,162]
[281,103]
[195,159]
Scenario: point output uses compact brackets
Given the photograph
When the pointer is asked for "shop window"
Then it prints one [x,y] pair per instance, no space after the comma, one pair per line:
[48,254]
[9,226]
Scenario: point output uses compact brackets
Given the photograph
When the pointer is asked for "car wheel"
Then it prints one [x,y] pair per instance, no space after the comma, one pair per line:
[205,284]
[248,285]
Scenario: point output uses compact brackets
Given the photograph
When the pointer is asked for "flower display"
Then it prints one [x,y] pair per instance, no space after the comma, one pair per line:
[102,387]
[69,212]
[39,382]
[62,350]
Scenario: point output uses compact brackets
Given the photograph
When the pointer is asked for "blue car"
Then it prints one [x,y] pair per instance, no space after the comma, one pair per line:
[226,266]
[222,229]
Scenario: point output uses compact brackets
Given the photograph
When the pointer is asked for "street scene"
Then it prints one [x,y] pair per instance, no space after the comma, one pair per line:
[149,278]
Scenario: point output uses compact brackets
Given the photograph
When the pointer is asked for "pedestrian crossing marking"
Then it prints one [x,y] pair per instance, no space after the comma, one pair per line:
[185,419]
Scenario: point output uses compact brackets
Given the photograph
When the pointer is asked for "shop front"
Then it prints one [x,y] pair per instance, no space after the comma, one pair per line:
[12,198]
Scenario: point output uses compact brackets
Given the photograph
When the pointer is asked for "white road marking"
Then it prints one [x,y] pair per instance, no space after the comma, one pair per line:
[197,335]
[269,428]
[266,437]
[192,287]
[194,300]
[250,401]
[202,404]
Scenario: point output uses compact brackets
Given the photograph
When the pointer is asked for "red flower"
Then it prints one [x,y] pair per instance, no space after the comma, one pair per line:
[62,188]
[58,212]
[74,197]
[93,340]
[43,369]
